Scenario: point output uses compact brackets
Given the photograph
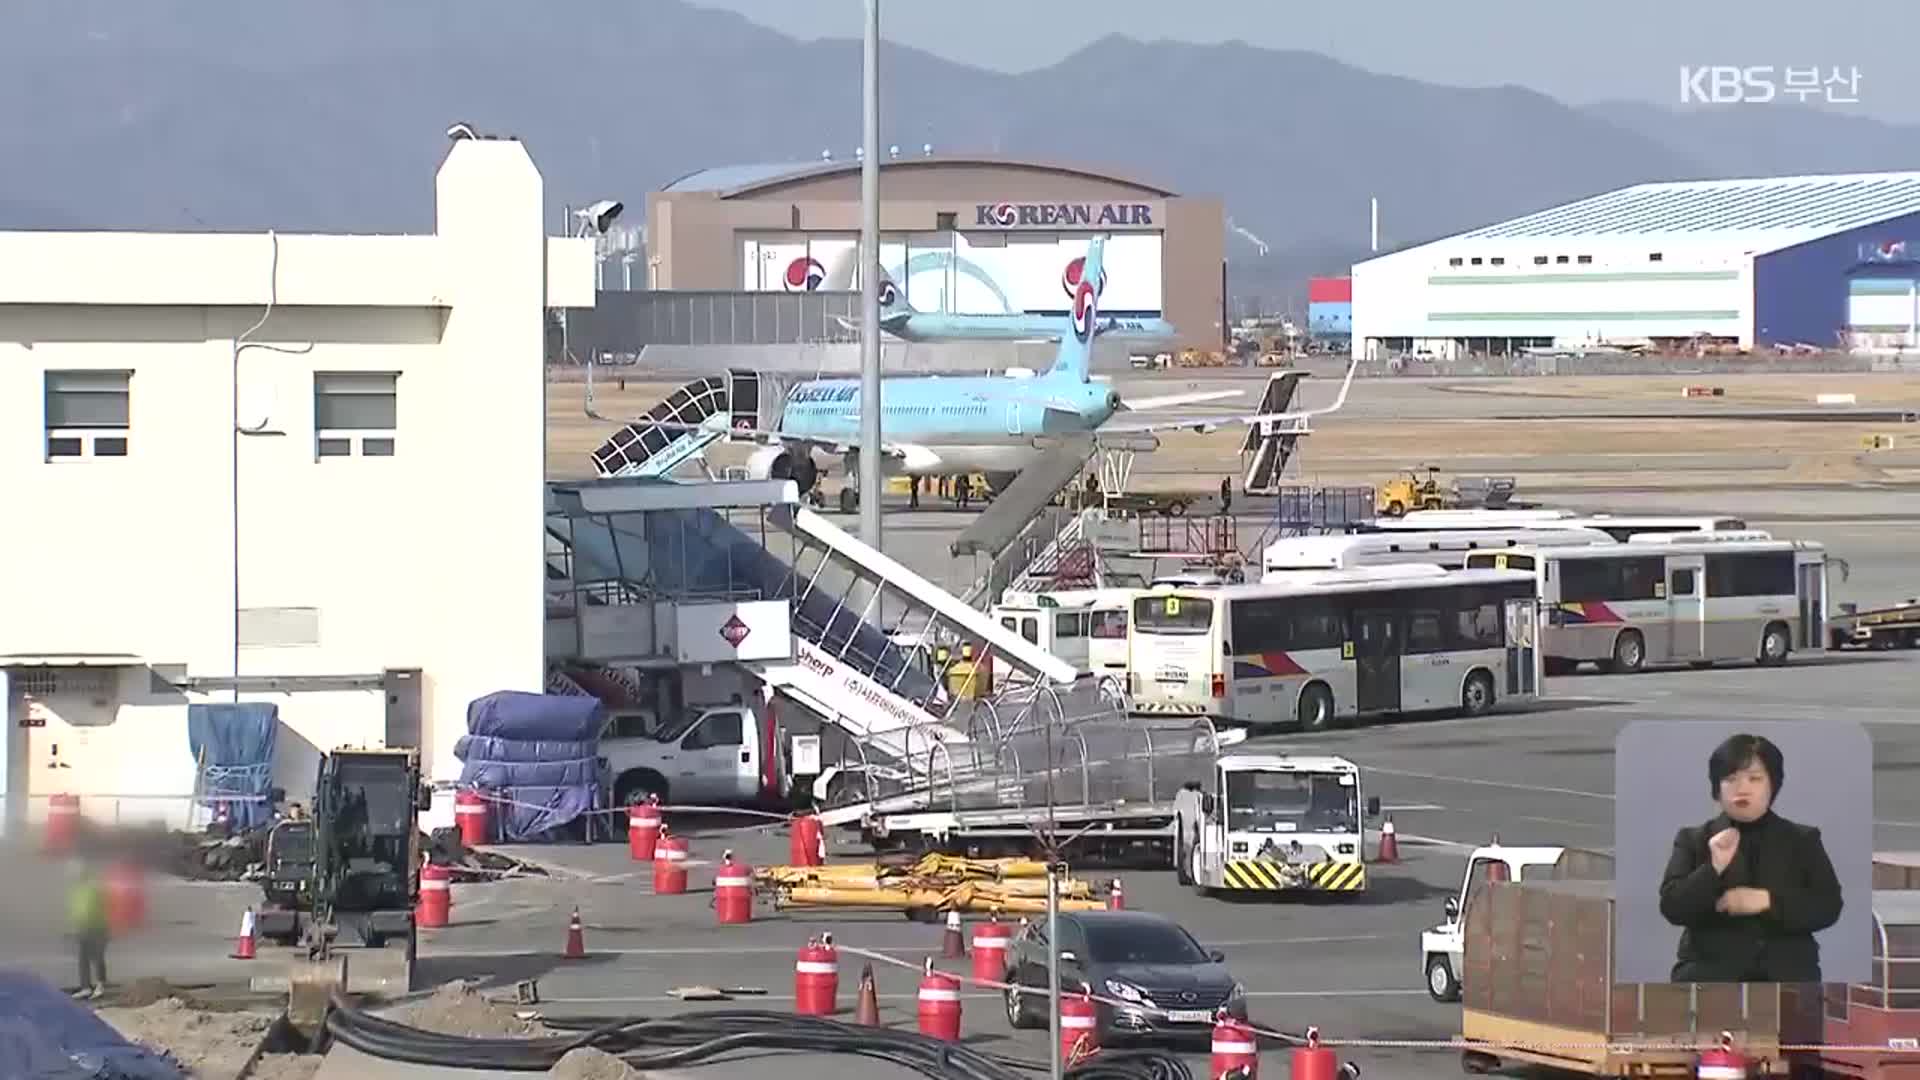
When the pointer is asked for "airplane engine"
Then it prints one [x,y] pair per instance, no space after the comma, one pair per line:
[780,463]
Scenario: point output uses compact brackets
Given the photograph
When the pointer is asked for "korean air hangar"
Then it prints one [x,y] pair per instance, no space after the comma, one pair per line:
[1819,263]
[959,235]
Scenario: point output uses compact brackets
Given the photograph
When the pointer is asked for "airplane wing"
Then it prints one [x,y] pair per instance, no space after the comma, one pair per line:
[892,324]
[1168,401]
[1203,423]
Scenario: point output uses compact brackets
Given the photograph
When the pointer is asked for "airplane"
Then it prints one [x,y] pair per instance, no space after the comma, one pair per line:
[934,425]
[907,324]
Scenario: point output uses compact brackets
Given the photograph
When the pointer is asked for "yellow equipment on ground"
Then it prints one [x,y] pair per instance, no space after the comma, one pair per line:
[1410,491]
[935,883]
[975,896]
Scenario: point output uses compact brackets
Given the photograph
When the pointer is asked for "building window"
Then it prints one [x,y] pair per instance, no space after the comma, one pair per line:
[1585,259]
[1539,260]
[355,413]
[1498,261]
[87,413]
[1477,260]
[946,221]
[1456,261]
[1559,258]
[1653,257]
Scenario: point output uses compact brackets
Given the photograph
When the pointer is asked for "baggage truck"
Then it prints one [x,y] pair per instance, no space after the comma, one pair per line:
[1539,989]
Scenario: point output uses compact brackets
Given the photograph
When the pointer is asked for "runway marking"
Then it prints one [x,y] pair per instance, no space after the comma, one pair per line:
[1564,821]
[1410,808]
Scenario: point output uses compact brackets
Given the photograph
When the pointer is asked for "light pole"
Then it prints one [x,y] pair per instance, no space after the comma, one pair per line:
[870,283]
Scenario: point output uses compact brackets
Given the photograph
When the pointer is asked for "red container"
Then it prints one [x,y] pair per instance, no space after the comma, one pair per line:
[470,814]
[436,897]
[670,866]
[940,1005]
[990,942]
[126,896]
[806,842]
[1079,1028]
[816,980]
[732,892]
[1313,1061]
[643,829]
[1330,290]
[1234,1047]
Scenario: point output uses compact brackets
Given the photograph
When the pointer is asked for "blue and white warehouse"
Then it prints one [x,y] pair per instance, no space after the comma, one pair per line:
[1821,262]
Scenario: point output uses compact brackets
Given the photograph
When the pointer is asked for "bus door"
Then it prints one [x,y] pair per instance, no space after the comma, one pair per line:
[1686,607]
[1523,645]
[1812,589]
[1379,640]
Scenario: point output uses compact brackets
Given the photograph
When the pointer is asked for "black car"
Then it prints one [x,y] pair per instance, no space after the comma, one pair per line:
[1127,958]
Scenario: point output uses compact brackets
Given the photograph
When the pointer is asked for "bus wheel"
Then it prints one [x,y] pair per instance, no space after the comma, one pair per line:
[1775,645]
[1629,652]
[1476,698]
[1315,710]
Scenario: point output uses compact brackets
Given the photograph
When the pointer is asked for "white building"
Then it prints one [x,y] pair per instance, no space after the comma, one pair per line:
[1808,260]
[304,469]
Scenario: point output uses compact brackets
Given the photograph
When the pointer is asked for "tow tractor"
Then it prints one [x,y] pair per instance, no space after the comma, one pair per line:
[1273,823]
[1894,626]
[352,865]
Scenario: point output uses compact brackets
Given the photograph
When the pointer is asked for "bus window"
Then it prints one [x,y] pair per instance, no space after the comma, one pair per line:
[1172,615]
[1758,574]
[1109,624]
[1612,579]
[1030,629]
[1069,624]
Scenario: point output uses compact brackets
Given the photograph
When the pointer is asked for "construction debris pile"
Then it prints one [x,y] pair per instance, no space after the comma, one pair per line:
[242,857]
[457,1008]
[937,883]
[204,1042]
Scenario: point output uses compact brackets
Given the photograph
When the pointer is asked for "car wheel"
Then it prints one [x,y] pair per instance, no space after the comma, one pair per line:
[1315,708]
[1775,645]
[1017,1015]
[1629,652]
[1441,983]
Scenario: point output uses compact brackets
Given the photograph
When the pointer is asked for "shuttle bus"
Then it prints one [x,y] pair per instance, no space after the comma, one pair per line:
[1618,526]
[1676,598]
[1325,649]
[1448,549]
[1085,627]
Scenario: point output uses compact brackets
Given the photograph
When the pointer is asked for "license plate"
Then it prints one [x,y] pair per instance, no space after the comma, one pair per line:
[1189,1016]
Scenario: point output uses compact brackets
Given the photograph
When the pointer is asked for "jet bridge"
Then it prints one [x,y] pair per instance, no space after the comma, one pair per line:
[649,563]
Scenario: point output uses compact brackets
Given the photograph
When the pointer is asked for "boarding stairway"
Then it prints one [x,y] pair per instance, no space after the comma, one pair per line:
[1270,444]
[681,427]
[672,550]
[1022,523]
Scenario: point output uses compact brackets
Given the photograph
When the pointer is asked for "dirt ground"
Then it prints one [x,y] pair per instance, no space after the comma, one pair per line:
[458,1009]
[286,1066]
[587,1063]
[1344,450]
[209,1044]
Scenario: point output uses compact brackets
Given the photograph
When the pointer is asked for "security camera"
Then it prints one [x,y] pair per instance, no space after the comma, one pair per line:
[600,215]
[461,131]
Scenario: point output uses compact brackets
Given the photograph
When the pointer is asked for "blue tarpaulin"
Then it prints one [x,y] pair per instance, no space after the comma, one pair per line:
[233,744]
[45,1035]
[539,755]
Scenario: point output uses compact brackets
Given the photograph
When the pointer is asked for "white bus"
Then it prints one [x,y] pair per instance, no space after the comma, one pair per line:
[1085,627]
[1448,549]
[1618,526]
[1331,647]
[1679,598]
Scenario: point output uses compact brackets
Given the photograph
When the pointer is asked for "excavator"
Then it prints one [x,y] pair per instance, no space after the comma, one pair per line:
[351,867]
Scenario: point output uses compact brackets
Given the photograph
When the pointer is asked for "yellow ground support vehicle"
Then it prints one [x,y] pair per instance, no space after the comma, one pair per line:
[1412,491]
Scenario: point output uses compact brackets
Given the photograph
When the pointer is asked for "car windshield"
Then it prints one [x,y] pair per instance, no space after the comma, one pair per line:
[1143,943]
[1290,802]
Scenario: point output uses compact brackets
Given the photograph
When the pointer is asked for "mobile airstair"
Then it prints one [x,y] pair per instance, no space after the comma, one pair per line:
[1270,444]
[682,426]
[647,561]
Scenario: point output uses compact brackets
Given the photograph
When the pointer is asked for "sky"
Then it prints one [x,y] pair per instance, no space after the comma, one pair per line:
[1578,51]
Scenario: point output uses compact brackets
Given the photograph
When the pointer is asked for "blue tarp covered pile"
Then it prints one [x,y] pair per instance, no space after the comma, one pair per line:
[539,753]
[233,744]
[45,1035]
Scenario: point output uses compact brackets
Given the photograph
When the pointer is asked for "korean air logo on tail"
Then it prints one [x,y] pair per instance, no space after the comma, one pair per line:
[1083,312]
[887,293]
[1070,278]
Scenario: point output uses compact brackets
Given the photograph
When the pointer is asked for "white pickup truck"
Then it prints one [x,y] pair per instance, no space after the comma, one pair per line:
[717,755]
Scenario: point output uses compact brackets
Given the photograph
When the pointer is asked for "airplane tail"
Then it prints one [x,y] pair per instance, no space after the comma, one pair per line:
[1074,360]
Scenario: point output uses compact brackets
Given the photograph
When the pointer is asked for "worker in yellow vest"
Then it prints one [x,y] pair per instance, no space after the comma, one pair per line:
[87,914]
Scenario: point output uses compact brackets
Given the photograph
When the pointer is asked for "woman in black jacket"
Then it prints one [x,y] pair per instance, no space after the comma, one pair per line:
[1749,887]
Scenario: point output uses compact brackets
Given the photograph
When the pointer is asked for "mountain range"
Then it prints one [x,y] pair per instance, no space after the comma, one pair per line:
[244,114]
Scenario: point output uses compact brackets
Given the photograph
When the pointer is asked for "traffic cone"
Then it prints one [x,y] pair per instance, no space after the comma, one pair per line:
[1117,897]
[576,938]
[243,946]
[866,1009]
[1389,844]
[952,945]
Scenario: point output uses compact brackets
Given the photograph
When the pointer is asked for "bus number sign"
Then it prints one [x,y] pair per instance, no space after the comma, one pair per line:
[1173,606]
